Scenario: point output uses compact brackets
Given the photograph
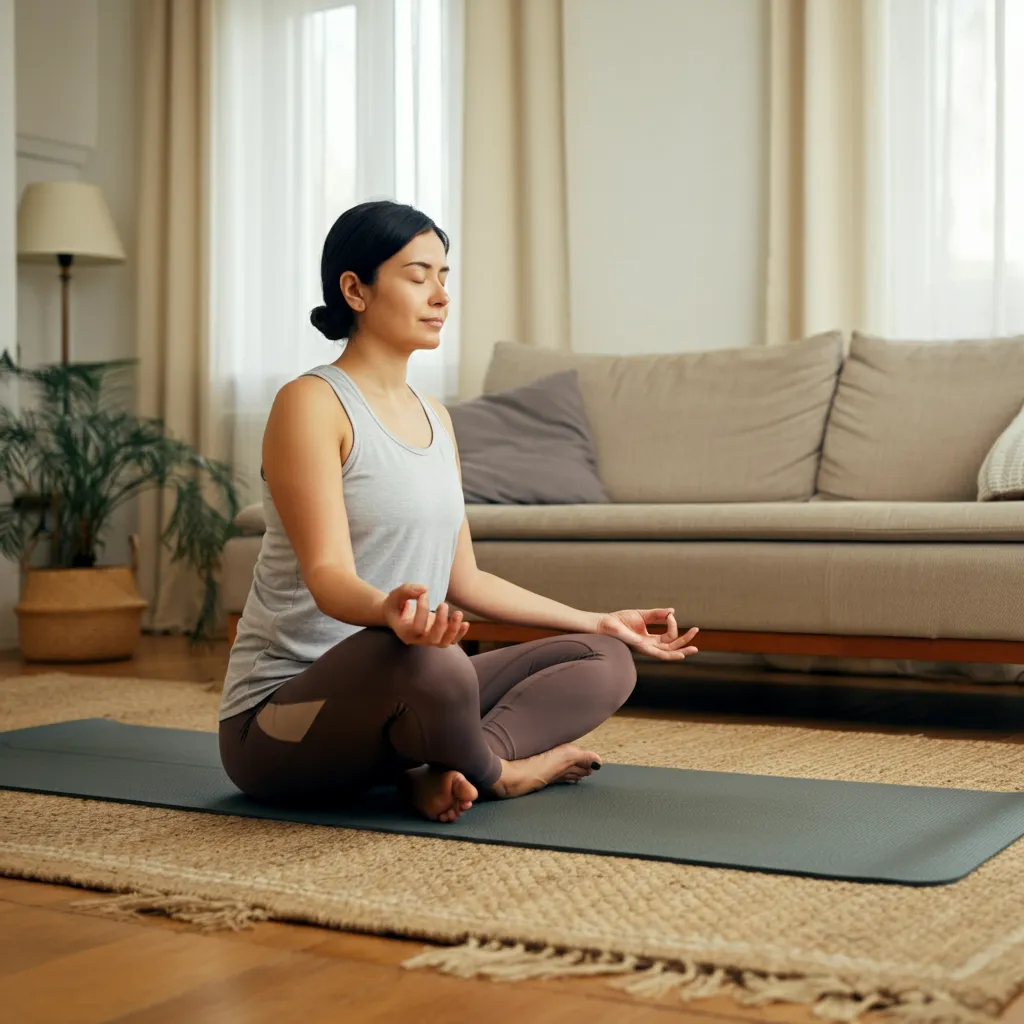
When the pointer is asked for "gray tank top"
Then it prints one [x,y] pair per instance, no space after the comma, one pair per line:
[405,509]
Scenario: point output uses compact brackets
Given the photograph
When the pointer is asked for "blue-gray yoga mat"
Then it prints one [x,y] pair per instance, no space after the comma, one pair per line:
[857,831]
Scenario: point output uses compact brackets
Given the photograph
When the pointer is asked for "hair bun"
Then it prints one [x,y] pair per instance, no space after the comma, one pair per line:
[333,324]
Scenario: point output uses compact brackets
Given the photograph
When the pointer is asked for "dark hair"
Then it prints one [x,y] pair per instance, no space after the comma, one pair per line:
[360,240]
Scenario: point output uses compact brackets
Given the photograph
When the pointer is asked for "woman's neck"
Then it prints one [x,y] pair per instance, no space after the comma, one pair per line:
[376,367]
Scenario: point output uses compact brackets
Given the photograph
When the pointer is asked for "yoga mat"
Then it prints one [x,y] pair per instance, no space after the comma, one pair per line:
[857,831]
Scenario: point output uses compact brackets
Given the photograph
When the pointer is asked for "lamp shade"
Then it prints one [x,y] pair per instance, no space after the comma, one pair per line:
[66,217]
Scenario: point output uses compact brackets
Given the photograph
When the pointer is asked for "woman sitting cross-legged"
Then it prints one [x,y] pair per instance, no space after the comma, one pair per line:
[346,672]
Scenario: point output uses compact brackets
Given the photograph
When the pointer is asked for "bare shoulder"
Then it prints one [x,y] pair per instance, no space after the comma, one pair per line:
[310,398]
[305,389]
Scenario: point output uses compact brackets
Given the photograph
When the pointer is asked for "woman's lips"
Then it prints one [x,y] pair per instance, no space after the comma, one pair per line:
[434,323]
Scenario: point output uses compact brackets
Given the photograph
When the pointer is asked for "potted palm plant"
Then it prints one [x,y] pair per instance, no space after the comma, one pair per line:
[68,461]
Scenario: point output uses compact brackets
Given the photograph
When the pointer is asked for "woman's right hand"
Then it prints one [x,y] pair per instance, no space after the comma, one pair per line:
[407,612]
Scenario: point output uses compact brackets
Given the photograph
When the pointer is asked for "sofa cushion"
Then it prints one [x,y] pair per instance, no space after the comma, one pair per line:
[913,421]
[710,426]
[528,445]
[1001,477]
[971,591]
[881,521]
[878,521]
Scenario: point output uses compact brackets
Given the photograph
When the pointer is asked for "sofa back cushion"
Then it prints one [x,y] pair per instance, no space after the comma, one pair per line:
[530,445]
[721,425]
[914,420]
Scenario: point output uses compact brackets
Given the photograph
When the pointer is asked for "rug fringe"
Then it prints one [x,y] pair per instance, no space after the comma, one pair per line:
[516,963]
[830,998]
[204,913]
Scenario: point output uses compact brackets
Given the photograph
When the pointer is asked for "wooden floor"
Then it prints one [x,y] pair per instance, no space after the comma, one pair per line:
[61,965]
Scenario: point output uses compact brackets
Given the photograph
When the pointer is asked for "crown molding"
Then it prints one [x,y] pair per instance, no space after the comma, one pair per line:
[52,151]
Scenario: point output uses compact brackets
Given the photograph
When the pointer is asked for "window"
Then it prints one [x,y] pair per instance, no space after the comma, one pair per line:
[316,107]
[953,208]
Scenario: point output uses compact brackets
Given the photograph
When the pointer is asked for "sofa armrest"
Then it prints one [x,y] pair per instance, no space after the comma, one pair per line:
[250,520]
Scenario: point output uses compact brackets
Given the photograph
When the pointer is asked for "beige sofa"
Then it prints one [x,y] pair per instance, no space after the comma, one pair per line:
[816,498]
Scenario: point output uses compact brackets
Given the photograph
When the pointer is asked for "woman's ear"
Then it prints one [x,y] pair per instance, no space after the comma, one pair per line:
[352,290]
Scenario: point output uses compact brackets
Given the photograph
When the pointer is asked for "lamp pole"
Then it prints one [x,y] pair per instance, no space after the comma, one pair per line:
[64,259]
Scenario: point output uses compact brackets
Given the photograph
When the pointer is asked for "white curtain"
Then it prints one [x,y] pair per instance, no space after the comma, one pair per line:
[947,207]
[318,105]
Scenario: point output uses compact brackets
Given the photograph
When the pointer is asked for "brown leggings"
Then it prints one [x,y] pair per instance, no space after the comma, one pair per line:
[373,707]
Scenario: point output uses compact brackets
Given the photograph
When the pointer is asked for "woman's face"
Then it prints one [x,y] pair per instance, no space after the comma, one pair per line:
[408,304]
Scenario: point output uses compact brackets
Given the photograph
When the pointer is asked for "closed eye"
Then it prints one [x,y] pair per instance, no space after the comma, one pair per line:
[424,265]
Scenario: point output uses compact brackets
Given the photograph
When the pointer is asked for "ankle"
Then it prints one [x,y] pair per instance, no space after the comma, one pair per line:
[500,785]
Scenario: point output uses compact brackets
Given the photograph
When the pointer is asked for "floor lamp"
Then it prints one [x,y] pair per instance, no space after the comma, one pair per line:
[66,221]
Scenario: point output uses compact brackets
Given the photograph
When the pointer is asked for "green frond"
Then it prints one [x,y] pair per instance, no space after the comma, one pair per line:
[77,455]
[14,532]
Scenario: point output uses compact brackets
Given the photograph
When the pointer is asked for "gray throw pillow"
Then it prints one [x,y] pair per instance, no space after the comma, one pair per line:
[529,445]
[1001,477]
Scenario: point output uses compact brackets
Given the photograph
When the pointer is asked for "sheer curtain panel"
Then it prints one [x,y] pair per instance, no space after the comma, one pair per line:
[318,106]
[951,215]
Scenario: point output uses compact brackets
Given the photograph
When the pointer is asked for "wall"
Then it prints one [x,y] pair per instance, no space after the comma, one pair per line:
[57,66]
[666,153]
[76,80]
[9,576]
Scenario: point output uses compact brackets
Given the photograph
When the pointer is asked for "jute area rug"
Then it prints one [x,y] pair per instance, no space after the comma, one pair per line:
[946,953]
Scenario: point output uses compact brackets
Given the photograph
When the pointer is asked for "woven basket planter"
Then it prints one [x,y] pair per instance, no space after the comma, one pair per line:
[80,614]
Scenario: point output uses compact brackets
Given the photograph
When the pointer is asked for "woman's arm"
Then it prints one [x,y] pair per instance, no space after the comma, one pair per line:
[497,599]
[302,465]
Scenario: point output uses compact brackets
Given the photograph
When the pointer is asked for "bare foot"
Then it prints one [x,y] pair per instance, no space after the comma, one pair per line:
[438,794]
[564,763]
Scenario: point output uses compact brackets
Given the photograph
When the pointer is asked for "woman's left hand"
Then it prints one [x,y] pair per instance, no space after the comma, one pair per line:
[630,626]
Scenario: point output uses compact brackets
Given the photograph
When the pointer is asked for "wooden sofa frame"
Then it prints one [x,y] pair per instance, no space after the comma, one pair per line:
[1005,652]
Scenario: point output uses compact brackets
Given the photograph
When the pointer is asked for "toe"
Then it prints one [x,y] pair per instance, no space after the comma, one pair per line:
[463,790]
